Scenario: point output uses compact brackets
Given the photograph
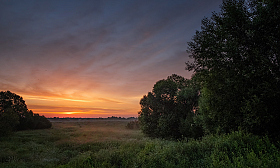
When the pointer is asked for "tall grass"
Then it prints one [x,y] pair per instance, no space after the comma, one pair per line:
[110,144]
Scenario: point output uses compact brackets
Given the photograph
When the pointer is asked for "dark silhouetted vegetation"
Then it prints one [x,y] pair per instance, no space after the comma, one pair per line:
[237,77]
[169,110]
[231,103]
[15,116]
[237,53]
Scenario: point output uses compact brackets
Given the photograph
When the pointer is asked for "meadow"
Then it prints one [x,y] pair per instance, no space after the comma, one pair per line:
[108,143]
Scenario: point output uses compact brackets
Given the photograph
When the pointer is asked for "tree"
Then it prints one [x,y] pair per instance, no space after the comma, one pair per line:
[8,121]
[14,115]
[12,108]
[237,53]
[168,110]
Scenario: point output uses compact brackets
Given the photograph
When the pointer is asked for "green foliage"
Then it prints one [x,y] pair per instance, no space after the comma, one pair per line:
[237,54]
[243,150]
[14,115]
[60,148]
[232,150]
[168,110]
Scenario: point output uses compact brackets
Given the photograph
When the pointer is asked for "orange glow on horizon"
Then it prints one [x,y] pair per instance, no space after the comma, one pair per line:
[64,107]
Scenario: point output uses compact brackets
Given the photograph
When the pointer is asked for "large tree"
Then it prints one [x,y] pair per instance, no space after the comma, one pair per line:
[237,53]
[168,110]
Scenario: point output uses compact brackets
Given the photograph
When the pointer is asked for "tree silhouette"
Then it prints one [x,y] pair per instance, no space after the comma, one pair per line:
[237,53]
[168,110]
[14,115]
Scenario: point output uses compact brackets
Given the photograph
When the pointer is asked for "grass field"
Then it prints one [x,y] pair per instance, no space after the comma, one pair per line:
[107,143]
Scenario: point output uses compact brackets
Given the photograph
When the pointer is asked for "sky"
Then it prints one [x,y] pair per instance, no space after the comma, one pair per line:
[94,58]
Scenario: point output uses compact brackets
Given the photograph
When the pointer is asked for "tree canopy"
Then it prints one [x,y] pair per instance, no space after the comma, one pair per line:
[168,110]
[237,53]
[236,82]
[14,115]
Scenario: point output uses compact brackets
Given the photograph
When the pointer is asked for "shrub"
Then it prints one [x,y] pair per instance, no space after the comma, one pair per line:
[133,125]
[8,121]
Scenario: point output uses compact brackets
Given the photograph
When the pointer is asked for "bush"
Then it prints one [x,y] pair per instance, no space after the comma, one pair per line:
[8,121]
[133,125]
[236,149]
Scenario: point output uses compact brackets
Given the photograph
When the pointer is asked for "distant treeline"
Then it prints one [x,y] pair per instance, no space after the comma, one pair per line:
[236,81]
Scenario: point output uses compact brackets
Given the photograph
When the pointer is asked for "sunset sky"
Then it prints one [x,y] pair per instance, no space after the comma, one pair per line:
[92,58]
